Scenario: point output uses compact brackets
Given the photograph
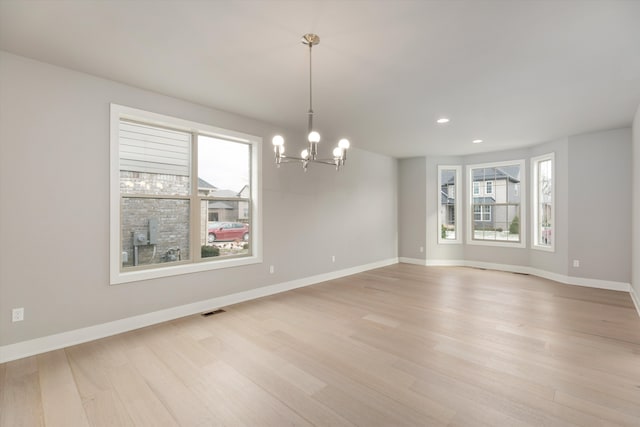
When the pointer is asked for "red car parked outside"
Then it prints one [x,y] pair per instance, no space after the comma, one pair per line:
[221,231]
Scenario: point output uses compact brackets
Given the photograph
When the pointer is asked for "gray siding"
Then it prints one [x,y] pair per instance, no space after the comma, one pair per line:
[154,150]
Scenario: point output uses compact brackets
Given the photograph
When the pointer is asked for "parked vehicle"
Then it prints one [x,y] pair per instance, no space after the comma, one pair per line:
[226,231]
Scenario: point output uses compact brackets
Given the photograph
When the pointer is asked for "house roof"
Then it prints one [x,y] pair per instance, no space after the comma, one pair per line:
[205,185]
[490,174]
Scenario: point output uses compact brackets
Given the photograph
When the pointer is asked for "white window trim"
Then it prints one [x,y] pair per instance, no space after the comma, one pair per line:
[458,174]
[486,185]
[523,204]
[534,204]
[119,112]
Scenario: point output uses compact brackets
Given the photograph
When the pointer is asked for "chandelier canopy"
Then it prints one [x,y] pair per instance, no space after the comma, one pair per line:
[310,154]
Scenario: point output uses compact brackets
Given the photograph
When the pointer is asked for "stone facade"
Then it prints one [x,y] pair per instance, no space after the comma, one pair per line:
[172,216]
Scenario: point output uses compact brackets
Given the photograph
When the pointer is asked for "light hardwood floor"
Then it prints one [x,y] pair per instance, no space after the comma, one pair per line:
[400,345]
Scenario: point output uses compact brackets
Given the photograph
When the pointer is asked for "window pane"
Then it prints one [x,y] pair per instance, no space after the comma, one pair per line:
[154,160]
[228,238]
[223,184]
[447,214]
[495,201]
[544,199]
[154,231]
[224,168]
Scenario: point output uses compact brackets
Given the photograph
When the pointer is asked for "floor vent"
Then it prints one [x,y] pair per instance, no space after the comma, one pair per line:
[211,313]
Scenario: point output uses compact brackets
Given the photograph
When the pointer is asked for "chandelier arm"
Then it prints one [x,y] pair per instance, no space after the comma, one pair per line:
[331,162]
[288,159]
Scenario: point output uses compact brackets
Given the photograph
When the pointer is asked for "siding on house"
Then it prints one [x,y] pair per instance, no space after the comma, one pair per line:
[154,150]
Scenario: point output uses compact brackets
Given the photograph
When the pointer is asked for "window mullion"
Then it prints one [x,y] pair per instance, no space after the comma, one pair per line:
[196,205]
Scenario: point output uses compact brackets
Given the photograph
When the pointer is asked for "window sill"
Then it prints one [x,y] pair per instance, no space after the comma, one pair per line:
[119,277]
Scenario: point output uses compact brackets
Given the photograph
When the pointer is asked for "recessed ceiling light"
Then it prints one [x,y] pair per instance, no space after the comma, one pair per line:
[477,141]
[442,120]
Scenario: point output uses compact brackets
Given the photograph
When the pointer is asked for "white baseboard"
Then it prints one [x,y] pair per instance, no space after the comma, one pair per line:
[65,339]
[635,299]
[446,263]
[568,280]
[416,261]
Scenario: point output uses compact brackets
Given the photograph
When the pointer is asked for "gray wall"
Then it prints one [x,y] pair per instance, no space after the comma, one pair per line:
[600,205]
[54,212]
[593,208]
[411,208]
[635,262]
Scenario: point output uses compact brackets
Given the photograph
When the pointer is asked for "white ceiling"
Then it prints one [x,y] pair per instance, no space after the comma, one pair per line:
[513,73]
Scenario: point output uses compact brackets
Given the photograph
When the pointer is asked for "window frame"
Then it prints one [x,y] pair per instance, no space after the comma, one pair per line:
[522,214]
[195,264]
[535,162]
[457,204]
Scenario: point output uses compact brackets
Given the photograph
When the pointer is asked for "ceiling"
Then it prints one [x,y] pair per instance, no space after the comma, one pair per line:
[513,73]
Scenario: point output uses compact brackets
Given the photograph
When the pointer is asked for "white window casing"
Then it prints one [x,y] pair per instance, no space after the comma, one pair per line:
[451,191]
[543,223]
[142,143]
[490,217]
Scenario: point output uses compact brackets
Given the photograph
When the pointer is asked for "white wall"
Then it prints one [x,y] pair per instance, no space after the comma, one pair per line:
[54,212]
[635,195]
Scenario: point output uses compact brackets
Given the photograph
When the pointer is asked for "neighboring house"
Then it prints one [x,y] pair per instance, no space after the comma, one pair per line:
[496,197]
[227,209]
[448,203]
[204,188]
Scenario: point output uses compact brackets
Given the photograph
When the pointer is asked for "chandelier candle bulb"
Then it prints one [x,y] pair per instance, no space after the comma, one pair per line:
[314,137]
[310,154]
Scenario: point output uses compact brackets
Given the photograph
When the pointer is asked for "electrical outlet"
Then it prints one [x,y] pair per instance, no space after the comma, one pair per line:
[576,263]
[333,258]
[271,269]
[421,249]
[17,314]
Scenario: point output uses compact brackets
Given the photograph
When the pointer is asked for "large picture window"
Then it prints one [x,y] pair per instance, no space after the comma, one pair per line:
[496,204]
[542,168]
[184,196]
[449,204]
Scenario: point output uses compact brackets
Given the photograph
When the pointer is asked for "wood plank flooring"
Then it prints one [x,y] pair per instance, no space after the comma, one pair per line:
[402,345]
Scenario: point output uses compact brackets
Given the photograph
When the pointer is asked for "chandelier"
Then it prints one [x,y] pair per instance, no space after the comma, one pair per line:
[310,154]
